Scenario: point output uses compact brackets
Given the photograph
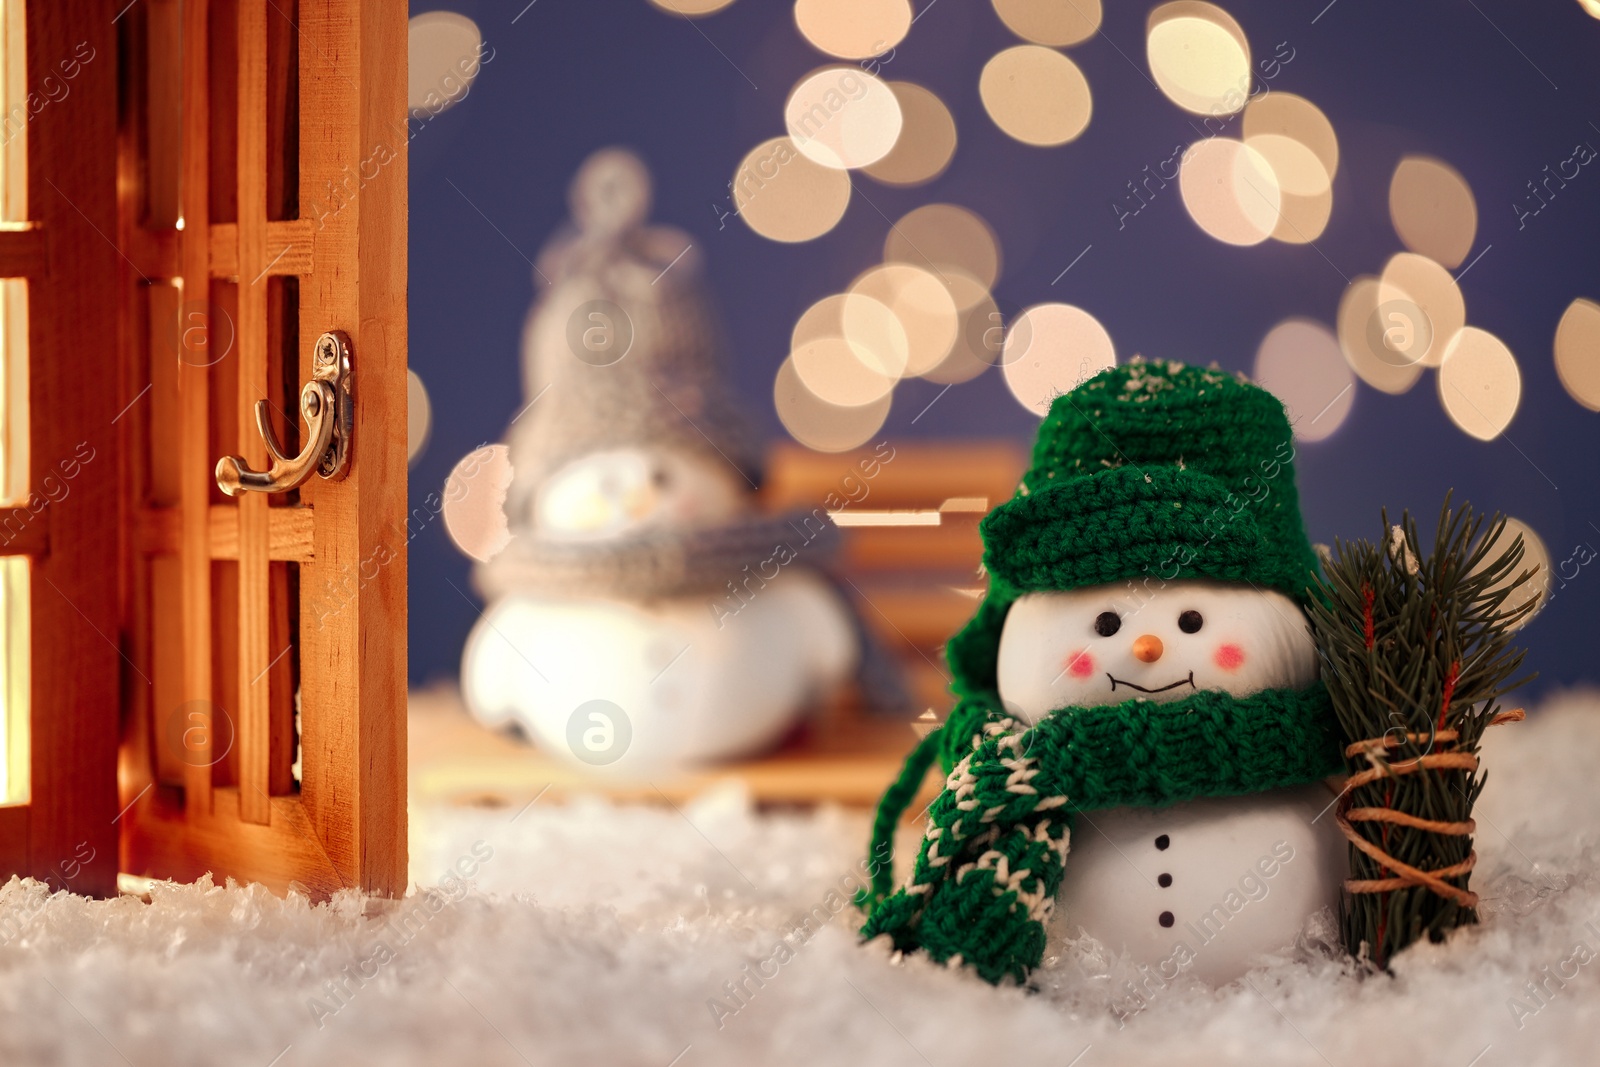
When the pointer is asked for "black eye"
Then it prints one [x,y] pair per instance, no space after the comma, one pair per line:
[1190,622]
[1107,623]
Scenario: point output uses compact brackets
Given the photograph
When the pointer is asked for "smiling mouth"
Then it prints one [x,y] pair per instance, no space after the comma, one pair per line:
[1115,681]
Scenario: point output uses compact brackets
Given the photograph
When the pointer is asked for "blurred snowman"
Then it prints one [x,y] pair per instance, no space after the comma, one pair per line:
[643,615]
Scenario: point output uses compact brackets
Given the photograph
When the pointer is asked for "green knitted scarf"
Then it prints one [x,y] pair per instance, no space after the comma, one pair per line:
[996,844]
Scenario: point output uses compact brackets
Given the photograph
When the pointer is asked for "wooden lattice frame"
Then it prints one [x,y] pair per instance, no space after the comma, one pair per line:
[256,89]
[66,833]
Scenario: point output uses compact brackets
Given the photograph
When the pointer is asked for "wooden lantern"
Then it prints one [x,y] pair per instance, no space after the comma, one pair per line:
[198,682]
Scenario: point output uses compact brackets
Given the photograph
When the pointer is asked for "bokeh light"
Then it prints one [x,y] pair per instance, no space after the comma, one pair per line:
[980,336]
[1413,284]
[1362,339]
[849,349]
[1297,141]
[442,60]
[1036,95]
[1052,22]
[1577,352]
[419,416]
[830,369]
[692,8]
[924,305]
[1296,167]
[1230,191]
[945,237]
[475,502]
[1302,219]
[1049,350]
[853,29]
[1535,560]
[1297,118]
[1305,187]
[784,196]
[1199,57]
[1299,362]
[1433,210]
[819,425]
[1479,383]
[927,139]
[842,117]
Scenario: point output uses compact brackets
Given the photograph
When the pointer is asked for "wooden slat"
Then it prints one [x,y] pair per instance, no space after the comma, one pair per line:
[22,251]
[289,532]
[919,616]
[155,252]
[907,476]
[255,596]
[353,692]
[161,154]
[280,681]
[24,531]
[157,414]
[14,838]
[155,422]
[283,371]
[225,721]
[928,682]
[223,313]
[166,669]
[195,460]
[73,333]
[166,837]
[148,157]
[283,112]
[288,246]
[289,249]
[954,547]
[845,758]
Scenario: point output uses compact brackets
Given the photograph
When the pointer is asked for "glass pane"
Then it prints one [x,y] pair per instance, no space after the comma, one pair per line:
[14,393]
[13,413]
[14,116]
[13,680]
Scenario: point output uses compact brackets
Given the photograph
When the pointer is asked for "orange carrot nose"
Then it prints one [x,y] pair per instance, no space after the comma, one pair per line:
[1147,647]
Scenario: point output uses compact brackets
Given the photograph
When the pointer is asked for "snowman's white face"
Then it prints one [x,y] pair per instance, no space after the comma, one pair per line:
[628,490]
[1111,643]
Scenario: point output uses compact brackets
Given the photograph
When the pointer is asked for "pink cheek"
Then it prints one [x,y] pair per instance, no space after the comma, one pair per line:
[1229,657]
[1080,664]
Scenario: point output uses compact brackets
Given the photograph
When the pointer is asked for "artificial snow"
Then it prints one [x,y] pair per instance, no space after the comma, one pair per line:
[713,934]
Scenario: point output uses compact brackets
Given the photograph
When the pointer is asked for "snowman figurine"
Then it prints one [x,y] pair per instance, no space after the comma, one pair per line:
[1205,886]
[642,615]
[1141,736]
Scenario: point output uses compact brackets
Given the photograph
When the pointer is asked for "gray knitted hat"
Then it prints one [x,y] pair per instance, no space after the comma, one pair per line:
[623,349]
[624,338]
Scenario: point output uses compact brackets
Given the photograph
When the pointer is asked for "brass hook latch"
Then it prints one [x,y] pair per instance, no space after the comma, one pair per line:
[326,404]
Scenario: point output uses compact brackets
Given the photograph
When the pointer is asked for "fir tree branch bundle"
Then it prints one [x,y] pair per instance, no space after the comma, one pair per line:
[1416,651]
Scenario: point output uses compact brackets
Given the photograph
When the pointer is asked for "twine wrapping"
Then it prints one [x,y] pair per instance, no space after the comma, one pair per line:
[1407,875]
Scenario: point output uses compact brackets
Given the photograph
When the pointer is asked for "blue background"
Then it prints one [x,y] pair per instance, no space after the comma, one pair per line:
[1499,100]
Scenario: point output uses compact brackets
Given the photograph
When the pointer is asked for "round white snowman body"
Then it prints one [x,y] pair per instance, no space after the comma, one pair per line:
[640,687]
[1208,886]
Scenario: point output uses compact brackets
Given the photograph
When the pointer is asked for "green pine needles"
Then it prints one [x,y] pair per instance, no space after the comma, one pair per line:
[1415,652]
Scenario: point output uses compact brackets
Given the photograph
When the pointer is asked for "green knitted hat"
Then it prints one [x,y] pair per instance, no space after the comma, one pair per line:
[1151,471]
